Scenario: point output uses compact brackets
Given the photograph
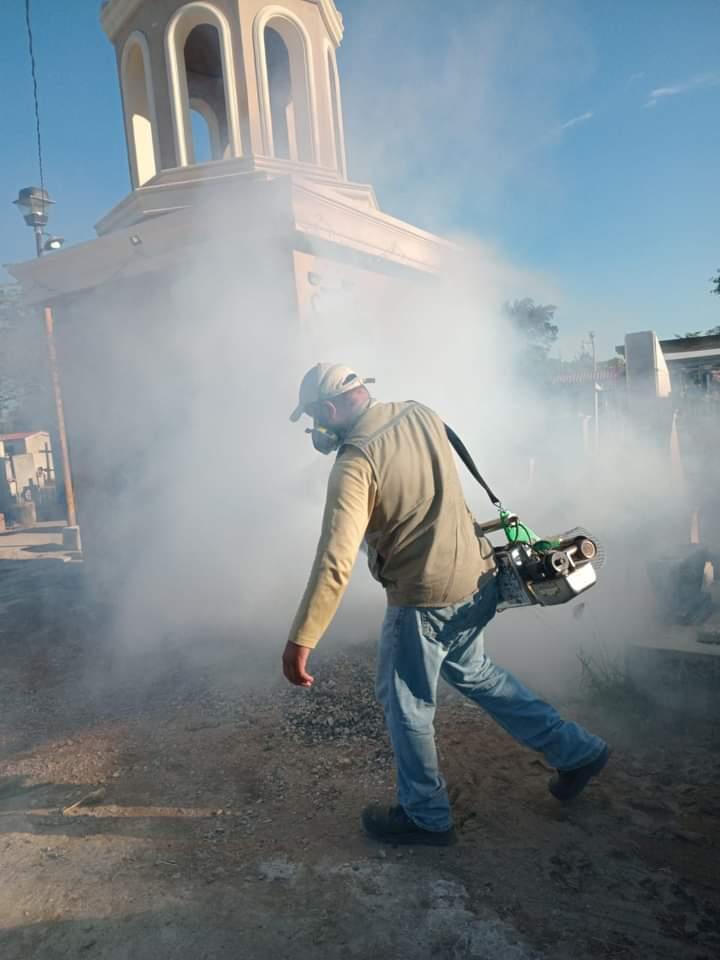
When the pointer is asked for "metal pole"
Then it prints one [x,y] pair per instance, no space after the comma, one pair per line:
[73,538]
[60,410]
[596,398]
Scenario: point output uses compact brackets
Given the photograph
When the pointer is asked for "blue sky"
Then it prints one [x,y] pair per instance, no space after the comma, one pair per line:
[580,139]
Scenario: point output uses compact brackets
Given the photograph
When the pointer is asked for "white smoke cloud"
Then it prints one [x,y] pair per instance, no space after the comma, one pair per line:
[575,121]
[699,82]
[211,500]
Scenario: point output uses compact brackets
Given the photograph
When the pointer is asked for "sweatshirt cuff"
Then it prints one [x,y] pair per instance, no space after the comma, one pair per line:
[303,640]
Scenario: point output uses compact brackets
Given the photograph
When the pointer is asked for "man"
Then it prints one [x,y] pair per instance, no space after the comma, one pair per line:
[394,485]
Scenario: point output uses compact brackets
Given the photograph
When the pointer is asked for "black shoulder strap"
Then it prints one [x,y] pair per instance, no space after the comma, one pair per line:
[462,451]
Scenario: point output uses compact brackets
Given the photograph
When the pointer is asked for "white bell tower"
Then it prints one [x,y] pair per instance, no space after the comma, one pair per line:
[259,79]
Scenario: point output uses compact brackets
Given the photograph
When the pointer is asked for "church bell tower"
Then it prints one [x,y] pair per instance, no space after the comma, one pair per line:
[211,81]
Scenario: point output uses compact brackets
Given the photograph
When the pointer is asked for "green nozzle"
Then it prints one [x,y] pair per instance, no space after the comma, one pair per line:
[515,531]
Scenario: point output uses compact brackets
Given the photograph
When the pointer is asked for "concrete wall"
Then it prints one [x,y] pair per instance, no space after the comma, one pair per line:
[647,372]
[332,291]
[156,374]
[679,678]
[37,442]
[29,463]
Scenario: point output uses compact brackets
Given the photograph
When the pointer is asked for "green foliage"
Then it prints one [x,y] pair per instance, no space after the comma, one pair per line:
[614,363]
[535,323]
[604,677]
[24,382]
[712,332]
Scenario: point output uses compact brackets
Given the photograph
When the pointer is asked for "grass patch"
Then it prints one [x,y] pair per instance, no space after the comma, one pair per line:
[605,680]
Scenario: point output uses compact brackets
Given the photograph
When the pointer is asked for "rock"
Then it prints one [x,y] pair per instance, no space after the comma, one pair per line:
[689,836]
[202,725]
[651,805]
[92,799]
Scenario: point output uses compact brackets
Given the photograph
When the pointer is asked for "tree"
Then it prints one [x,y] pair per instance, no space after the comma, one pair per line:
[715,281]
[24,379]
[535,323]
[712,332]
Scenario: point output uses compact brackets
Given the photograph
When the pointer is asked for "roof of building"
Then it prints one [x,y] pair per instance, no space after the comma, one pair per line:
[678,347]
[581,375]
[707,345]
[22,436]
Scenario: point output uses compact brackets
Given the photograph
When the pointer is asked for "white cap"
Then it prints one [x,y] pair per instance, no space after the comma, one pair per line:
[323,382]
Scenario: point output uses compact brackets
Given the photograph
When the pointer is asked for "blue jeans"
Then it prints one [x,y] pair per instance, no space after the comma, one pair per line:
[420,644]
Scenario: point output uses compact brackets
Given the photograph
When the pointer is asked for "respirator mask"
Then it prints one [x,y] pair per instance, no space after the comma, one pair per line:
[326,382]
[324,440]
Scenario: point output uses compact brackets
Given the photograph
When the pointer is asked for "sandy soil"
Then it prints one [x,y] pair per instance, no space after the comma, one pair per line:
[221,820]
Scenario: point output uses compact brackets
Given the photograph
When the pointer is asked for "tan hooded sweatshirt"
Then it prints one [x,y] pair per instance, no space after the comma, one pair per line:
[395,485]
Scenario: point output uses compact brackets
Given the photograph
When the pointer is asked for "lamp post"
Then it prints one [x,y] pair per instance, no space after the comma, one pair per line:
[596,394]
[33,204]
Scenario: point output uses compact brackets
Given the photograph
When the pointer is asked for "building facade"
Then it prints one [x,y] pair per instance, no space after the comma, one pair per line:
[242,235]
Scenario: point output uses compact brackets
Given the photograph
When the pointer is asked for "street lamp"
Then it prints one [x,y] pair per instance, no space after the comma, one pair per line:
[33,203]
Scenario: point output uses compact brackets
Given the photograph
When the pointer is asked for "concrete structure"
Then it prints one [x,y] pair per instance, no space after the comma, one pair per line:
[647,374]
[685,362]
[279,157]
[694,364]
[268,235]
[674,389]
[262,76]
[678,665]
[27,460]
[679,668]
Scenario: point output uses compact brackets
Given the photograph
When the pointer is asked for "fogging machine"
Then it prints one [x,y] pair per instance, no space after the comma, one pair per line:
[532,570]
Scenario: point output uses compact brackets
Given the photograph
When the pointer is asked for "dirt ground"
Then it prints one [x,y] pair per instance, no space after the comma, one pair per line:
[220,818]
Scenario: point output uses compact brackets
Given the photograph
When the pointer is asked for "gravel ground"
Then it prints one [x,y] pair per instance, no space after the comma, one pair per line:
[169,809]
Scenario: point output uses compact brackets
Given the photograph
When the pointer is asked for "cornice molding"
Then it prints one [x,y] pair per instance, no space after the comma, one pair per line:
[333,19]
[114,13]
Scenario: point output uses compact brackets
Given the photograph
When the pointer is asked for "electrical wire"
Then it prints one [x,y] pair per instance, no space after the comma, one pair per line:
[33,69]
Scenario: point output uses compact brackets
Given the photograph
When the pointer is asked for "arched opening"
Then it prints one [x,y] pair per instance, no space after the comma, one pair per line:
[202,137]
[289,115]
[336,111]
[139,111]
[206,87]
[201,75]
[282,112]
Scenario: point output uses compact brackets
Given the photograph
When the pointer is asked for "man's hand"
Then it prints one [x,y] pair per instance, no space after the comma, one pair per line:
[294,661]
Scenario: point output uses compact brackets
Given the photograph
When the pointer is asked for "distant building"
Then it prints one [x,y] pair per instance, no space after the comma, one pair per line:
[693,363]
[27,461]
[609,375]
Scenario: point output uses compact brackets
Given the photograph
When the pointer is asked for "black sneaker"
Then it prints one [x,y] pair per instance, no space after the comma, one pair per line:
[568,784]
[393,825]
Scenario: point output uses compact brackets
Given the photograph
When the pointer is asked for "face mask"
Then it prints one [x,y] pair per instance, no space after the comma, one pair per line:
[325,441]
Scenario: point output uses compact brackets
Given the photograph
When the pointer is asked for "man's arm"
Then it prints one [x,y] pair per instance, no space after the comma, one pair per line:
[349,505]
